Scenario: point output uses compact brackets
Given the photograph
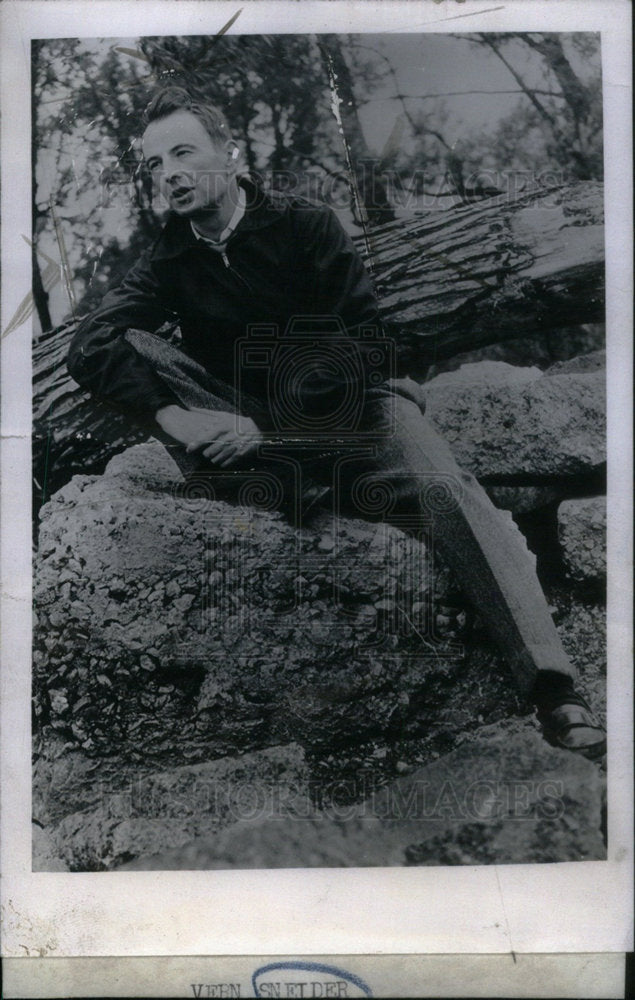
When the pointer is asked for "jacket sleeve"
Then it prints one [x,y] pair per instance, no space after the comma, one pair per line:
[340,286]
[101,360]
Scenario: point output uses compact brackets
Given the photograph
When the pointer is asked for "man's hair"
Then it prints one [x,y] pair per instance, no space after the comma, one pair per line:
[165,102]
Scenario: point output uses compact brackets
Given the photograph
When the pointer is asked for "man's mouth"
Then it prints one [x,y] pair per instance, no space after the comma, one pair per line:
[181,195]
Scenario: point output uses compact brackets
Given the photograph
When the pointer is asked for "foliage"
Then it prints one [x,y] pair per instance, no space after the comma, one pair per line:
[559,123]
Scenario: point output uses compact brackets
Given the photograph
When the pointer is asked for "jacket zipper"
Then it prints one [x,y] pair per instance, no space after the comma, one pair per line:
[234,271]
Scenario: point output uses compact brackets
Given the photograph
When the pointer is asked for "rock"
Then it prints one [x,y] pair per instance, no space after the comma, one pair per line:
[582,536]
[65,779]
[503,797]
[524,427]
[178,634]
[269,637]
[592,362]
[581,623]
[45,852]
[487,374]
[306,842]
[163,810]
[149,462]
[541,349]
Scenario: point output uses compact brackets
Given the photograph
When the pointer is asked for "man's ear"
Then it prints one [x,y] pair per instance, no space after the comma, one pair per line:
[233,152]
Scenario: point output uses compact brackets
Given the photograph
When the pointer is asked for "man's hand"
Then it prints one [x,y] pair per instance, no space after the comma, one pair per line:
[224,438]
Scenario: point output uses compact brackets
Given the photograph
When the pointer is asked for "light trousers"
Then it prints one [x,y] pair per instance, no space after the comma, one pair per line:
[401,471]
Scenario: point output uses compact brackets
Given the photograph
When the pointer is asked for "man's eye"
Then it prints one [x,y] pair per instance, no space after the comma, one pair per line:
[183,152]
[153,166]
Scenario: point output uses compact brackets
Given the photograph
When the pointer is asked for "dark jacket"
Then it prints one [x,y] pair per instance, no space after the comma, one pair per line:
[288,260]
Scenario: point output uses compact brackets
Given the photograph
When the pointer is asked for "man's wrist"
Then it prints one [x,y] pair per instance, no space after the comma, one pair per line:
[165,412]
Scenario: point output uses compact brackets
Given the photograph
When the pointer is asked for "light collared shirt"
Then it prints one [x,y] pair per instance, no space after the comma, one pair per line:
[220,244]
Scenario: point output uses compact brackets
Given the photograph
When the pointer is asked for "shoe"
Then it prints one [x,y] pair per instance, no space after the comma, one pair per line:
[571,725]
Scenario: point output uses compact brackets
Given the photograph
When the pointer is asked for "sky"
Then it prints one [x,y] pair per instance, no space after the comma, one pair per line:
[430,64]
[439,64]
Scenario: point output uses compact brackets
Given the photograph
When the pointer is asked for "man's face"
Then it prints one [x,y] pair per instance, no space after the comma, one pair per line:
[188,167]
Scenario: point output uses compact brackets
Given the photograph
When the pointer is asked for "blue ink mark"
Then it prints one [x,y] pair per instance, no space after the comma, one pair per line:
[329,970]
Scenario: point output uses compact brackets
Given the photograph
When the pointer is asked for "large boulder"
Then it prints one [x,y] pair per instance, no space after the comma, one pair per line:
[504,796]
[505,422]
[173,630]
[167,809]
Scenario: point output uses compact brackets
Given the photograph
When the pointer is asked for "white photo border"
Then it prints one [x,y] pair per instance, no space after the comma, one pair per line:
[568,907]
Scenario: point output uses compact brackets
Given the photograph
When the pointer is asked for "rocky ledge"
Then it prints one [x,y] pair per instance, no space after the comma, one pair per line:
[185,645]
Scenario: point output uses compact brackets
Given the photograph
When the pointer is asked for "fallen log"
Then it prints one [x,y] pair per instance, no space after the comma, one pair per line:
[448,281]
[453,281]
[72,433]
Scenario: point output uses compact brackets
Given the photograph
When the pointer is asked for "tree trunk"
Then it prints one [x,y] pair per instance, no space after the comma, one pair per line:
[448,281]
[371,187]
[577,96]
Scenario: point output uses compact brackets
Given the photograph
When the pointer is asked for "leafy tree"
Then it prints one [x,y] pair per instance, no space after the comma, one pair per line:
[566,116]
[269,87]
[87,106]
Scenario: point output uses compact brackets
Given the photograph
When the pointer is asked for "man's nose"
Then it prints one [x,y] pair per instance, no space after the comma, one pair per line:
[171,170]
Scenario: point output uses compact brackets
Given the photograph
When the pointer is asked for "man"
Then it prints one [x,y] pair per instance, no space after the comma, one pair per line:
[231,258]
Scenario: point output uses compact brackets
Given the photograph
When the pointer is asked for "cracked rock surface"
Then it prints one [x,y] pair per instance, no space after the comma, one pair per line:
[184,645]
[582,535]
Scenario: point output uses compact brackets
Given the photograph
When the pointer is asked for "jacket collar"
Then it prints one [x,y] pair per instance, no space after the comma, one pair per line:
[261,210]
